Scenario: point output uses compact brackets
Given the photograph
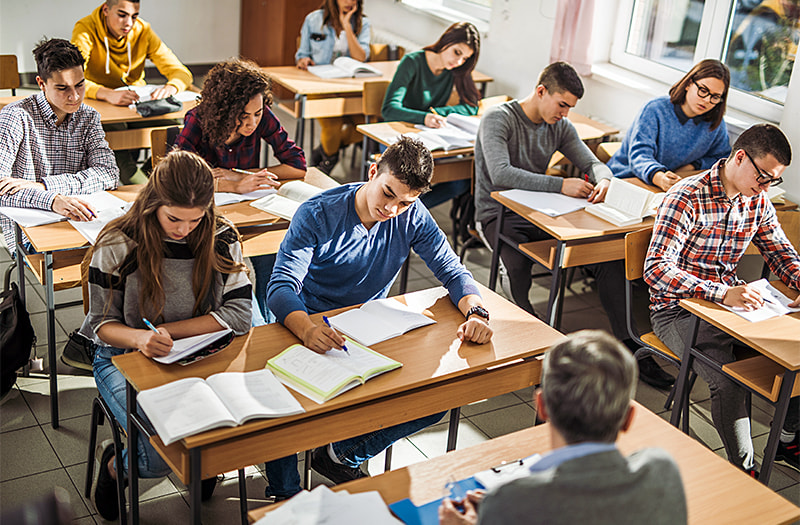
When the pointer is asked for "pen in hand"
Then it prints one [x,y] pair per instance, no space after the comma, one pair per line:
[149,325]
[325,320]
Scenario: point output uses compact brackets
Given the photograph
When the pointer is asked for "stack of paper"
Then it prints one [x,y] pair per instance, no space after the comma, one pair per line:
[552,204]
[322,505]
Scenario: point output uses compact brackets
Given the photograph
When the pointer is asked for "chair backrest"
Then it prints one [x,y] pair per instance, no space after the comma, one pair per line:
[486,103]
[87,259]
[636,244]
[372,99]
[790,224]
[9,73]
[161,142]
[606,150]
[381,52]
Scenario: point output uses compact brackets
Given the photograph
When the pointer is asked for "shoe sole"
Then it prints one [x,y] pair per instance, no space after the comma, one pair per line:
[76,364]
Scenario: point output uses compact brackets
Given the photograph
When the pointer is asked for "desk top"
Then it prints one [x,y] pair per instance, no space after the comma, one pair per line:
[62,236]
[430,355]
[302,82]
[572,226]
[717,492]
[777,338]
[111,114]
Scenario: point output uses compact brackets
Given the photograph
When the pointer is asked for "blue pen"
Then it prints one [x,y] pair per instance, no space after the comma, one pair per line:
[149,325]
[325,319]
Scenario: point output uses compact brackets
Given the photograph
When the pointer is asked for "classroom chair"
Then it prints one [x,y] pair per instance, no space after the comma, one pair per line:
[100,413]
[790,223]
[161,142]
[606,150]
[383,52]
[9,73]
[371,103]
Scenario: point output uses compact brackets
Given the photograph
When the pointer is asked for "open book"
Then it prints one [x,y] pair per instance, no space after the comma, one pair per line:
[321,377]
[626,203]
[775,303]
[460,132]
[344,67]
[552,204]
[289,197]
[221,198]
[379,320]
[188,346]
[29,217]
[192,405]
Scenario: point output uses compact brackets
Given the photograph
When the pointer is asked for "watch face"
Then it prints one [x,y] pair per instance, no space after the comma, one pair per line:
[479,311]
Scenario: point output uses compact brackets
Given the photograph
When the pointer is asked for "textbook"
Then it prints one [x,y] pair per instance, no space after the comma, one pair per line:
[552,204]
[775,303]
[186,347]
[626,203]
[378,320]
[29,217]
[460,132]
[188,406]
[344,67]
[321,377]
[288,198]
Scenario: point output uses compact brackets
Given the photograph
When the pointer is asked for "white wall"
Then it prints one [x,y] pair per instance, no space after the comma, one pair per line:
[198,31]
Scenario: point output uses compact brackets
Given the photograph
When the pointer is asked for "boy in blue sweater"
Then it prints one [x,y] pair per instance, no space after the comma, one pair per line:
[345,247]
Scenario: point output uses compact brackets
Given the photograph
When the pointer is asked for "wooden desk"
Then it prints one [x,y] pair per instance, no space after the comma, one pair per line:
[771,374]
[716,491]
[316,97]
[578,238]
[438,373]
[60,250]
[111,114]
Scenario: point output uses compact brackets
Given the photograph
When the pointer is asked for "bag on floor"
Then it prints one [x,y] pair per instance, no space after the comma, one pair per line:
[16,335]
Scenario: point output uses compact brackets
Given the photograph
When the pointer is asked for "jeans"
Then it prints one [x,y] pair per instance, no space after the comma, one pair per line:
[111,385]
[262,267]
[443,192]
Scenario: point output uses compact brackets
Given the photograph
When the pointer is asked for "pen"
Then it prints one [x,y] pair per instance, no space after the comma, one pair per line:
[149,325]
[243,172]
[325,320]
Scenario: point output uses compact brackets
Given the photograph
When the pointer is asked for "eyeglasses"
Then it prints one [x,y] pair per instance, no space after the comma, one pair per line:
[703,92]
[763,178]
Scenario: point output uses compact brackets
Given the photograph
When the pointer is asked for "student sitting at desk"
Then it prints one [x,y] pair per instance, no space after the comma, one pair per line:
[227,128]
[679,133]
[701,231]
[588,382]
[115,43]
[51,144]
[345,247]
[338,28]
[172,260]
[423,84]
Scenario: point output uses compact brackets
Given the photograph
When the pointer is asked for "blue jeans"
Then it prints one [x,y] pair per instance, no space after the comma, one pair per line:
[111,385]
[443,192]
[262,267]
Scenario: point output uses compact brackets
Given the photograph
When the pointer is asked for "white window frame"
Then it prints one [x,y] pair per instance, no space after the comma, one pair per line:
[710,43]
[469,8]
[451,11]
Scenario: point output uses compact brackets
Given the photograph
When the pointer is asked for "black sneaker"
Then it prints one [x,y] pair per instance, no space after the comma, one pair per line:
[789,452]
[105,494]
[207,487]
[322,161]
[78,352]
[654,375]
[323,464]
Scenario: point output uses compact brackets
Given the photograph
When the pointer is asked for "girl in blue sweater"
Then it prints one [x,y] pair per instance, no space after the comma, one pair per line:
[683,132]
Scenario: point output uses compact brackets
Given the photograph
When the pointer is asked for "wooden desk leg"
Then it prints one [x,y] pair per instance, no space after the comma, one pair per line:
[133,457]
[789,377]
[299,132]
[496,252]
[452,430]
[681,386]
[51,337]
[556,286]
[194,484]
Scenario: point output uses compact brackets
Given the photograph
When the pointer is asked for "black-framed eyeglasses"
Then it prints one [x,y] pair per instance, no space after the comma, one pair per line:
[763,178]
[704,92]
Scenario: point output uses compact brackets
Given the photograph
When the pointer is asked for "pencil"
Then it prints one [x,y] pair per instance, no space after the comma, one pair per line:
[433,110]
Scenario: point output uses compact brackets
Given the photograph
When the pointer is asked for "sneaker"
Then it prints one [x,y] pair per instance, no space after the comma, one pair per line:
[105,494]
[323,464]
[789,452]
[78,352]
[207,487]
[652,374]
[323,162]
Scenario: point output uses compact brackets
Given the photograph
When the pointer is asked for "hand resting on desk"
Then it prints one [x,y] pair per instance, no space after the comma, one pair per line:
[230,181]
[461,512]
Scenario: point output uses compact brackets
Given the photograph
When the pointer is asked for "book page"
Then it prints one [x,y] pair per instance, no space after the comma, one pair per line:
[626,198]
[355,68]
[552,204]
[30,217]
[775,303]
[222,198]
[298,190]
[312,370]
[91,229]
[277,205]
[360,360]
[254,394]
[466,124]
[328,71]
[364,327]
[183,408]
[188,345]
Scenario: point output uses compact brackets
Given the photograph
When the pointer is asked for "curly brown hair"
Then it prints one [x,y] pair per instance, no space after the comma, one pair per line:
[228,88]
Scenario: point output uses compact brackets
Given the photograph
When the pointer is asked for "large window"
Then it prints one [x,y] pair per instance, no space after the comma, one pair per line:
[756,39]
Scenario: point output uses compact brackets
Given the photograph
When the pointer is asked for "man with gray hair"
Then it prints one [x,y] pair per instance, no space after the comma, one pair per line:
[588,382]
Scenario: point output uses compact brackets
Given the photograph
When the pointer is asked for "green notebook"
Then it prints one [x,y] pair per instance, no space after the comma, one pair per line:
[321,377]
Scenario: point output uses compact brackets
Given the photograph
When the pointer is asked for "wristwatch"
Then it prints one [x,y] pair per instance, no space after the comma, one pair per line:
[480,311]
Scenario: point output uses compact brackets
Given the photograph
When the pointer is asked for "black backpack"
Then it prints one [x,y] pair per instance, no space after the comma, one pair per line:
[16,334]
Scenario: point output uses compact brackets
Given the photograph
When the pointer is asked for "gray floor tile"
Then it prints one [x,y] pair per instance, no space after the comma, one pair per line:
[223,507]
[87,520]
[526,394]
[75,396]
[432,441]
[651,397]
[25,452]
[701,426]
[16,492]
[488,405]
[15,413]
[792,494]
[71,439]
[404,453]
[166,509]
[505,420]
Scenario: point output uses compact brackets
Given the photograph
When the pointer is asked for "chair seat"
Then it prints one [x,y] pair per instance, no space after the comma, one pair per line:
[653,341]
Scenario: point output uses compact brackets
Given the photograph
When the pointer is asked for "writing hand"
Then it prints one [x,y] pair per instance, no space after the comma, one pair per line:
[574,187]
[11,185]
[450,514]
[321,338]
[73,208]
[598,194]
[475,330]
[257,181]
[163,92]
[745,296]
[154,344]
[304,62]
[122,97]
[665,180]
[434,121]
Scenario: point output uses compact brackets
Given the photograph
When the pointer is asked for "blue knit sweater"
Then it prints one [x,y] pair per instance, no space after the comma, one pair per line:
[663,138]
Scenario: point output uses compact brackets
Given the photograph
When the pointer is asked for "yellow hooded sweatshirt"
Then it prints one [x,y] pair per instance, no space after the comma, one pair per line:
[109,61]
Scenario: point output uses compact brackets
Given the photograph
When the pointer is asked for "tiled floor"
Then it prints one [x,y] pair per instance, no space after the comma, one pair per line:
[34,458]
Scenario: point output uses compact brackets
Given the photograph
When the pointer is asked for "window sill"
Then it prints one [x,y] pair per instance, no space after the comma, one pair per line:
[612,75]
[445,14]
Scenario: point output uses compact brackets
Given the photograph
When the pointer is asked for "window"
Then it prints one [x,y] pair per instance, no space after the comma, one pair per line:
[476,11]
[756,39]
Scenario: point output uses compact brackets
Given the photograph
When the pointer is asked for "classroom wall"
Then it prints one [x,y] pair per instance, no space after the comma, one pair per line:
[210,35]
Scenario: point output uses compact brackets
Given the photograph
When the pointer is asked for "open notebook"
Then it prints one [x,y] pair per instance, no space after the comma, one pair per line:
[379,320]
[775,304]
[459,132]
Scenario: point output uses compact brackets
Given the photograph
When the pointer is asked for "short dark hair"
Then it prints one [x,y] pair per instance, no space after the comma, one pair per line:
[588,382]
[559,77]
[410,162]
[112,3]
[765,139]
[56,55]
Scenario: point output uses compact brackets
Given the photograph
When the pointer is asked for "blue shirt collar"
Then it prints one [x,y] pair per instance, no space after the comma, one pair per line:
[570,452]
